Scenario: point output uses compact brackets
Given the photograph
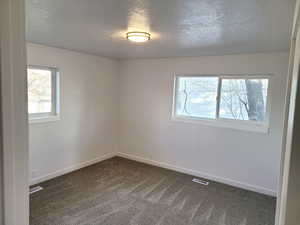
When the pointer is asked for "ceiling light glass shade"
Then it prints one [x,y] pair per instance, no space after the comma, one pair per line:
[138,36]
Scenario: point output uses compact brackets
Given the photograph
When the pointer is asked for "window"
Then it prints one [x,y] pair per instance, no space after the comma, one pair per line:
[42,93]
[232,101]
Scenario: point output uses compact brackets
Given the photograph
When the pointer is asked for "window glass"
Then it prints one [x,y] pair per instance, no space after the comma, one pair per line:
[227,101]
[243,99]
[40,91]
[196,96]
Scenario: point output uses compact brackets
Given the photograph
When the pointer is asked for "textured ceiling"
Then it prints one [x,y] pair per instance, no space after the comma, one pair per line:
[178,27]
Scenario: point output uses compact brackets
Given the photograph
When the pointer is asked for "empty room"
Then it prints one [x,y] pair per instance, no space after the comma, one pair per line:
[158,112]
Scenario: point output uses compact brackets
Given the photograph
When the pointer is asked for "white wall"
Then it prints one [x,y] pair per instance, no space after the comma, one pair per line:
[99,96]
[88,128]
[247,159]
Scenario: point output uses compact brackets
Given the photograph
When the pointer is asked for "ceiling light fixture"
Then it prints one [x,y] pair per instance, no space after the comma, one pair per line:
[137,36]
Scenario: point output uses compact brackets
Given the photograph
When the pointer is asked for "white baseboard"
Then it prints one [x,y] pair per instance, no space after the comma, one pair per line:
[154,163]
[70,169]
[234,183]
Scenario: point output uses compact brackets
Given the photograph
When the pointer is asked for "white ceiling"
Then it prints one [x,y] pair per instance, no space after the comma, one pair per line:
[178,27]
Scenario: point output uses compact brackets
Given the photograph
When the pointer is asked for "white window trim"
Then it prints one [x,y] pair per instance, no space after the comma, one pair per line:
[45,119]
[55,114]
[251,126]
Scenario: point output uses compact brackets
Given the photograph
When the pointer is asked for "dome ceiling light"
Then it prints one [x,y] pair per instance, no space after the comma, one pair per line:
[138,36]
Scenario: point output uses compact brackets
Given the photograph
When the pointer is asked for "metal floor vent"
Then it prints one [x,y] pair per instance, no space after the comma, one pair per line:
[203,182]
[35,189]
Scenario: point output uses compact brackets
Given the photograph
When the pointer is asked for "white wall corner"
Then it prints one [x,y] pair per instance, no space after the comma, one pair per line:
[200,174]
[70,169]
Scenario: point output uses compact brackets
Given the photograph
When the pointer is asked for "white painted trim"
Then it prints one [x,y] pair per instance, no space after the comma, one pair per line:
[281,206]
[55,101]
[224,180]
[296,21]
[44,119]
[14,112]
[251,126]
[154,163]
[71,169]
[244,126]
[285,153]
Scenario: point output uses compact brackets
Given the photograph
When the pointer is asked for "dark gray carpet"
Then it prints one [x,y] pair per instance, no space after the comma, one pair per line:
[123,192]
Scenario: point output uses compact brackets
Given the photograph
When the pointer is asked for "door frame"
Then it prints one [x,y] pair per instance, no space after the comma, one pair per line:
[14,121]
[288,128]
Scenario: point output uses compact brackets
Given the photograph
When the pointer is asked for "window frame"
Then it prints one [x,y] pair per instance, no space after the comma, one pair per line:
[246,125]
[54,115]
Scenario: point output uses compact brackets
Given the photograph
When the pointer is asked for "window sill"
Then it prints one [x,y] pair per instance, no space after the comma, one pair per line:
[47,119]
[234,125]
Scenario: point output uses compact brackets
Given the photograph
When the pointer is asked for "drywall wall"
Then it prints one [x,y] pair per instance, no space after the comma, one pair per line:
[96,102]
[1,160]
[241,158]
[1,168]
[290,198]
[293,197]
[87,130]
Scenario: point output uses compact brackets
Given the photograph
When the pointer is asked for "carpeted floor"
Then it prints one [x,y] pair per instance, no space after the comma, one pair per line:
[123,192]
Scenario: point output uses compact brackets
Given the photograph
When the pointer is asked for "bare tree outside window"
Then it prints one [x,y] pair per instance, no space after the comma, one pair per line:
[243,99]
[237,98]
